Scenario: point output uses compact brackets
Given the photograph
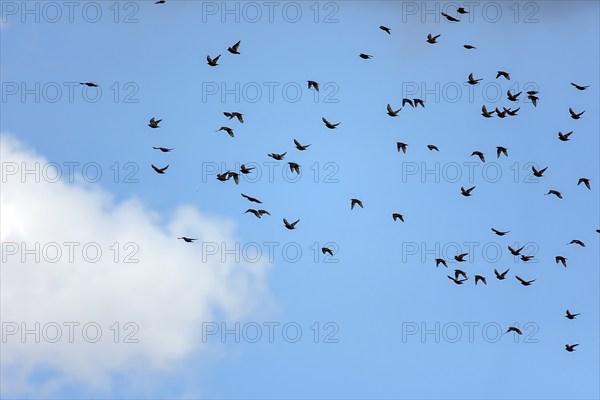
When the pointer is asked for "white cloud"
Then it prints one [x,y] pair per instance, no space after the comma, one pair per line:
[168,293]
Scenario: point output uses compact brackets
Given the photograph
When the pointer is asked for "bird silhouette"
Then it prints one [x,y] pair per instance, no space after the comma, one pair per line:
[257,213]
[252,199]
[457,281]
[469,46]
[554,192]
[329,124]
[300,146]
[163,149]
[235,114]
[354,202]
[439,261]
[473,81]
[276,156]
[480,278]
[327,250]
[486,113]
[226,129]
[391,112]
[187,239]
[585,181]
[562,260]
[525,258]
[365,56]
[575,115]
[571,347]
[401,146]
[450,17]
[503,74]
[523,281]
[501,150]
[577,242]
[571,316]
[432,39]
[294,167]
[478,154]
[466,192]
[461,257]
[313,84]
[89,84]
[499,233]
[514,329]
[501,276]
[516,252]
[212,61]
[513,97]
[461,10]
[419,102]
[154,123]
[564,136]
[386,29]
[233,49]
[408,101]
[579,87]
[432,147]
[290,226]
[246,170]
[159,170]
[396,216]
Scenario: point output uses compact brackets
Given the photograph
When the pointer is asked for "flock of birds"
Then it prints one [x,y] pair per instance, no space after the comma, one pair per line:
[460,276]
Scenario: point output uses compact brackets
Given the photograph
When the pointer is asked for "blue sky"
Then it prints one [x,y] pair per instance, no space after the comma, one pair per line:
[383,281]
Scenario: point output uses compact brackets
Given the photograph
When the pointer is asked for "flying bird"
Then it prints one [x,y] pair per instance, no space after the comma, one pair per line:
[504,74]
[510,112]
[514,329]
[226,129]
[473,81]
[89,84]
[575,115]
[577,242]
[354,202]
[461,257]
[501,150]
[235,176]
[501,114]
[329,124]
[525,258]
[461,10]
[246,170]
[523,281]
[499,233]
[571,347]
[300,146]
[467,192]
[554,192]
[469,46]
[154,123]
[365,56]
[450,17]
[432,147]
[386,29]
[290,226]
[406,101]
[252,199]
[539,173]
[570,316]
[564,137]
[501,276]
[486,113]
[396,216]
[233,49]
[294,167]
[327,250]
[439,261]
[163,149]
[419,102]
[257,213]
[513,97]
[432,39]
[480,278]
[276,156]
[234,114]
[562,260]
[187,239]
[534,99]
[478,154]
[391,112]
[160,2]
[313,84]
[579,87]
[516,252]
[213,61]
[585,181]
[401,146]
[159,170]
